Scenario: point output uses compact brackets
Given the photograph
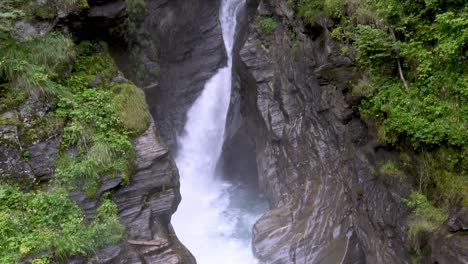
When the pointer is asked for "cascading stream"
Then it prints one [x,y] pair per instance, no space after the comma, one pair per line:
[215,218]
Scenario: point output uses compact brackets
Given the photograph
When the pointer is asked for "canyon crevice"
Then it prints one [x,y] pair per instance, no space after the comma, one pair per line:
[293,130]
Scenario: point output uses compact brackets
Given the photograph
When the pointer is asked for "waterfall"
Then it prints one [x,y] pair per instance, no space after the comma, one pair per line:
[214,218]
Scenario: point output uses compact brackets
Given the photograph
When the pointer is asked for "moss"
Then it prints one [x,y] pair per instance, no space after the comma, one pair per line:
[50,9]
[295,47]
[132,107]
[374,172]
[266,24]
[344,51]
[425,218]
[136,8]
[309,9]
[11,98]
[391,168]
[48,126]
[405,158]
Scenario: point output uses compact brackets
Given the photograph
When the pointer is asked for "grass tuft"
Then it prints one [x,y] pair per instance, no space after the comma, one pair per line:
[133,110]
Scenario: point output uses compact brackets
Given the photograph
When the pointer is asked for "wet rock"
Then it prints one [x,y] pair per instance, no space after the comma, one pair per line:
[458,221]
[145,206]
[119,78]
[189,41]
[22,162]
[97,81]
[14,168]
[447,248]
[313,153]
[42,157]
[110,9]
[25,30]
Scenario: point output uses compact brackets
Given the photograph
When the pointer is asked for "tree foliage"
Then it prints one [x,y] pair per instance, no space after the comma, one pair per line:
[413,55]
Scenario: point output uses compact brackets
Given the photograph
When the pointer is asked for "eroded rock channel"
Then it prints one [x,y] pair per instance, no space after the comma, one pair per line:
[255,151]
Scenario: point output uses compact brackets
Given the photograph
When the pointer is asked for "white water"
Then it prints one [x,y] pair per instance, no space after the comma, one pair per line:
[215,218]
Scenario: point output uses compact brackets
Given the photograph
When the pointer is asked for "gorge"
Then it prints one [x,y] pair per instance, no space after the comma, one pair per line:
[233,131]
[215,217]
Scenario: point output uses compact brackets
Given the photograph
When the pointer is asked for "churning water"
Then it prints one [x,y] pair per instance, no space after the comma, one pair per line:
[215,218]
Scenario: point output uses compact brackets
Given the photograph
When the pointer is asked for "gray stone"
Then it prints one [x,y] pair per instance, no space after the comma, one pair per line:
[145,206]
[313,153]
[119,78]
[97,81]
[459,221]
[25,30]
[447,248]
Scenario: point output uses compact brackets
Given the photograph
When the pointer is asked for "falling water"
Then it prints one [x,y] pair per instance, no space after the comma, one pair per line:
[215,218]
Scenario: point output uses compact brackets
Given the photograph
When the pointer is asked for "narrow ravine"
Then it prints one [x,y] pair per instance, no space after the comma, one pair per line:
[215,218]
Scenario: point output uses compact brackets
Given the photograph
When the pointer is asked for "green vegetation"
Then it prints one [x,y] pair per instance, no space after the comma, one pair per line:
[13,10]
[388,168]
[132,108]
[35,64]
[46,226]
[136,8]
[413,55]
[96,141]
[308,9]
[99,123]
[266,24]
[426,217]
[391,168]
[443,176]
[96,119]
[416,85]
[295,47]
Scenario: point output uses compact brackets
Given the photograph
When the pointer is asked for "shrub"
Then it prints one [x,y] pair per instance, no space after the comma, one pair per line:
[333,8]
[267,24]
[426,217]
[99,124]
[49,226]
[309,9]
[374,48]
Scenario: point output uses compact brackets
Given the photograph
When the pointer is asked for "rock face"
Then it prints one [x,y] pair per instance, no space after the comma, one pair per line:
[449,243]
[145,207]
[24,159]
[145,204]
[447,248]
[187,35]
[314,153]
[179,44]
[168,47]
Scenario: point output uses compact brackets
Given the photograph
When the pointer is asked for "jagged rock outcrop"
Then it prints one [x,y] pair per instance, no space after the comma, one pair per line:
[448,243]
[27,154]
[145,207]
[314,153]
[152,195]
[188,38]
[145,204]
[168,47]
